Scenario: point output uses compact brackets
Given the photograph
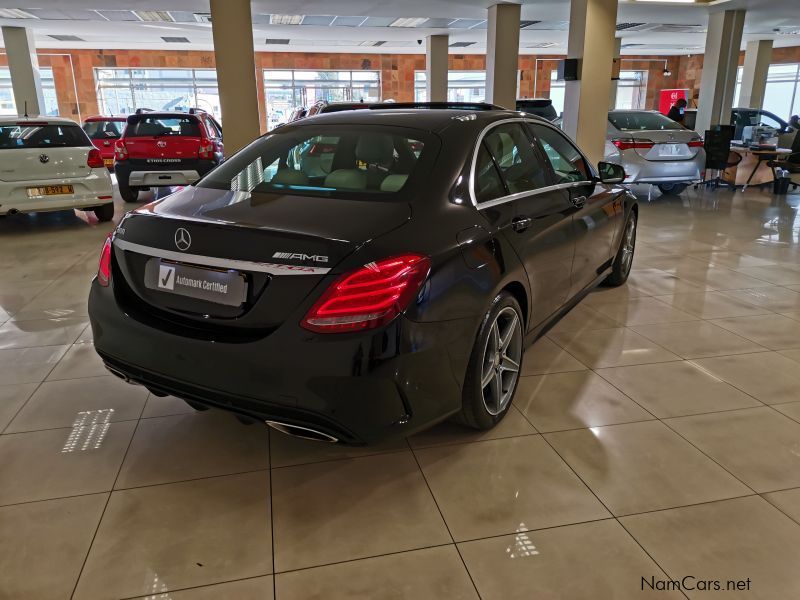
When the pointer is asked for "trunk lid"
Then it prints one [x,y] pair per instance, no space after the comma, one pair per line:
[35,164]
[160,149]
[279,247]
[667,144]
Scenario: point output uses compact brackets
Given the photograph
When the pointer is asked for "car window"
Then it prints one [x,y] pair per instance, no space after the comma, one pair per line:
[513,153]
[37,135]
[488,184]
[213,131]
[566,160]
[641,121]
[328,160]
[162,125]
[103,130]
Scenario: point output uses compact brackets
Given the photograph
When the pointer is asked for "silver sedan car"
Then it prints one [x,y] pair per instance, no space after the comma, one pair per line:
[654,149]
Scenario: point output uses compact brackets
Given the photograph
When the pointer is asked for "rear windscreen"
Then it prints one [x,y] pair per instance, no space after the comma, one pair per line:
[41,136]
[641,121]
[104,130]
[162,125]
[329,160]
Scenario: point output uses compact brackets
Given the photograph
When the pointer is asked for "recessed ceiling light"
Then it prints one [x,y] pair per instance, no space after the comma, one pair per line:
[154,15]
[285,19]
[15,13]
[408,22]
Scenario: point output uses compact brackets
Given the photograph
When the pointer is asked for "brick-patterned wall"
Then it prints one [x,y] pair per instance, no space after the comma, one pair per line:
[397,70]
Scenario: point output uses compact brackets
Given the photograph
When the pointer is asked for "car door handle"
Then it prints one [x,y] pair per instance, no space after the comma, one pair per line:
[521,223]
[579,201]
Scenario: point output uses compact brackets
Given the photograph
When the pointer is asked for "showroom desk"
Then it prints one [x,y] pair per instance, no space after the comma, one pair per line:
[753,169]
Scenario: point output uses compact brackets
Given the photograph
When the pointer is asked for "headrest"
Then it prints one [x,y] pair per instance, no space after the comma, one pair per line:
[375,148]
[289,177]
[501,146]
[347,179]
[393,183]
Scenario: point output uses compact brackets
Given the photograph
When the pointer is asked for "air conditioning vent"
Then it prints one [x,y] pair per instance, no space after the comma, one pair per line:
[524,24]
[175,40]
[67,38]
[541,45]
[672,28]
[624,26]
[276,41]
[461,44]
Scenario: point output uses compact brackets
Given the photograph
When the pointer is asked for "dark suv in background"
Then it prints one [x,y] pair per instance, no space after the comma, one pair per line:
[164,149]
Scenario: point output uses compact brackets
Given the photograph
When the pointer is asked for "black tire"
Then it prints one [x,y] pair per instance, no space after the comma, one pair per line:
[672,189]
[105,212]
[621,268]
[128,194]
[475,411]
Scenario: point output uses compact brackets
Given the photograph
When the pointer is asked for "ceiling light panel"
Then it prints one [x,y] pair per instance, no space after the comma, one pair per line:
[542,45]
[379,22]
[319,20]
[118,15]
[408,22]
[154,16]
[15,13]
[437,23]
[286,19]
[524,24]
[624,26]
[465,23]
[348,21]
[52,14]
[67,38]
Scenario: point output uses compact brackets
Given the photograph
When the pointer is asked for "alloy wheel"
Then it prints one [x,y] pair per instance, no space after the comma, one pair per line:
[628,243]
[501,359]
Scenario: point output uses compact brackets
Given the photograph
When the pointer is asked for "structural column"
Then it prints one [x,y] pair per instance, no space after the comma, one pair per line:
[592,41]
[754,73]
[615,68]
[502,55]
[721,59]
[23,65]
[436,50]
[232,28]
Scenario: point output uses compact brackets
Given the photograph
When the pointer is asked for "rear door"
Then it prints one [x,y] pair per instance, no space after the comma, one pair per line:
[596,210]
[540,229]
[154,138]
[39,150]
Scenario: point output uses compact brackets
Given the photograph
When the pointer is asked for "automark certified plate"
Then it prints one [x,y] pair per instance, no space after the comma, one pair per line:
[669,149]
[109,162]
[50,190]
[212,285]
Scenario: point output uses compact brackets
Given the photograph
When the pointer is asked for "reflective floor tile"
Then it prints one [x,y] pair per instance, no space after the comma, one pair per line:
[583,318]
[604,295]
[572,400]
[697,339]
[711,305]
[342,510]
[53,310]
[776,299]
[654,282]
[612,347]
[720,278]
[512,425]
[12,397]
[255,588]
[180,535]
[736,540]
[757,445]
[164,407]
[676,389]
[81,360]
[639,467]
[775,332]
[44,545]
[28,365]
[287,450]
[61,403]
[184,447]
[62,462]
[429,573]
[15,295]
[787,501]
[45,332]
[730,260]
[546,357]
[777,274]
[85,336]
[638,311]
[548,564]
[499,486]
[768,376]
[791,410]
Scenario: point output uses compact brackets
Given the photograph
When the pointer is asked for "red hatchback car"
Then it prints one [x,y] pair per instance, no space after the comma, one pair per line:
[104,131]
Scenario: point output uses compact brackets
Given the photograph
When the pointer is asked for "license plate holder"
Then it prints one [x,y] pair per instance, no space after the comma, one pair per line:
[218,286]
[669,150]
[109,162]
[50,190]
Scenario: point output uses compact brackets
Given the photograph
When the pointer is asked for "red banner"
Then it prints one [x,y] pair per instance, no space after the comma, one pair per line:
[668,97]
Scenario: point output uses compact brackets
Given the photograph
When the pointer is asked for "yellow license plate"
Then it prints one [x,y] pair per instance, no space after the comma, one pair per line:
[109,162]
[50,190]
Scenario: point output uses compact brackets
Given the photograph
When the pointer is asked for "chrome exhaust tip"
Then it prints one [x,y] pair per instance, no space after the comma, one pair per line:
[302,432]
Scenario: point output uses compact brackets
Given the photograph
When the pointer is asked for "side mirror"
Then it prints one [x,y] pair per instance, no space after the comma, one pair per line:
[611,172]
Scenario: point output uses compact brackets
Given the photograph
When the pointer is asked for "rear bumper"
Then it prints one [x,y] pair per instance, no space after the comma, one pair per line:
[93,190]
[358,388]
[162,175]
[640,170]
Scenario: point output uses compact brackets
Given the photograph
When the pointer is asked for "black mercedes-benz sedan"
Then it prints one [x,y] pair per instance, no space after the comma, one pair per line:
[362,275]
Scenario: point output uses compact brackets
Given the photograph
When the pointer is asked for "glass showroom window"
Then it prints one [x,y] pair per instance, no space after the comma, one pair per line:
[781,96]
[631,90]
[285,90]
[9,107]
[462,86]
[122,91]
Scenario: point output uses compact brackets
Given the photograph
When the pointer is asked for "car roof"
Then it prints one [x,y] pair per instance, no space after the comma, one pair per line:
[105,118]
[415,118]
[48,120]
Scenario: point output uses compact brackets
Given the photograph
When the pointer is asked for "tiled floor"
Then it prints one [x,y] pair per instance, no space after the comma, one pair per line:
[655,435]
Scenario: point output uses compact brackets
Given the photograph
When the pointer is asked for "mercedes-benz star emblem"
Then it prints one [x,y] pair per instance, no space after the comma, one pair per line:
[182,239]
[43,158]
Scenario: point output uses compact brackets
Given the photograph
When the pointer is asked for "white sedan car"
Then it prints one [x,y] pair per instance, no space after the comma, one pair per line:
[49,163]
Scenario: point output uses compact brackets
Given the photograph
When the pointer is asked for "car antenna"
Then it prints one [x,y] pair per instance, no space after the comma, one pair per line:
[26,109]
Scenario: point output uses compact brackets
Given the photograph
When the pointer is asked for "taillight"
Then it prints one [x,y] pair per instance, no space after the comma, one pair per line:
[370,296]
[95,160]
[695,144]
[120,150]
[630,143]
[206,149]
[104,268]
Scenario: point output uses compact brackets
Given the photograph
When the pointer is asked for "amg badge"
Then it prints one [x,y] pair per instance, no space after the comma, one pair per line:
[300,256]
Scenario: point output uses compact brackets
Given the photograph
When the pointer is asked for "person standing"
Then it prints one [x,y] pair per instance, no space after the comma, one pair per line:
[676,111]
